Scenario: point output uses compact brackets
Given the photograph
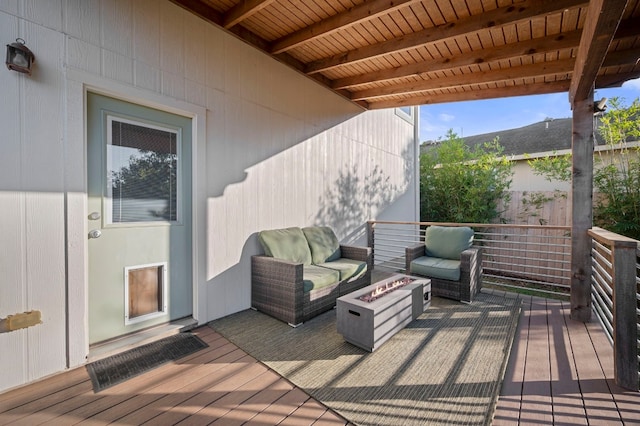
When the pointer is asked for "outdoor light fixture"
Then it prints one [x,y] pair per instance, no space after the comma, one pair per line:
[600,106]
[19,57]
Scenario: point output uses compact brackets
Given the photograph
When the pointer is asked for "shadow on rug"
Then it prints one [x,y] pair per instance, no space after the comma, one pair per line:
[446,367]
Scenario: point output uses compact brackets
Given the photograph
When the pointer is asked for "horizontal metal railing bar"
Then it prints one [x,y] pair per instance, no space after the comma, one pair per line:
[523,268]
[524,280]
[602,283]
[391,237]
[606,276]
[472,224]
[497,260]
[606,325]
[499,245]
[605,301]
[529,244]
[600,259]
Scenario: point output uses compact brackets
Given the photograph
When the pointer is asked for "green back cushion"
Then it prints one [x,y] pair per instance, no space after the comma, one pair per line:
[447,242]
[287,244]
[324,244]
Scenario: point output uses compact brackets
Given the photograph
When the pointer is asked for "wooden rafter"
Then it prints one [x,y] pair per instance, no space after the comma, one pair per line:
[364,11]
[475,95]
[542,69]
[494,18]
[242,11]
[513,50]
[603,18]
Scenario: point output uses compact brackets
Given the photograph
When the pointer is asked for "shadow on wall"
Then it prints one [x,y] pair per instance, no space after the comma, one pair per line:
[351,201]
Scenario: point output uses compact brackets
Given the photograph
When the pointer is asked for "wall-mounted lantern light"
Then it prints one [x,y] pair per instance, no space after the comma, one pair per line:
[19,57]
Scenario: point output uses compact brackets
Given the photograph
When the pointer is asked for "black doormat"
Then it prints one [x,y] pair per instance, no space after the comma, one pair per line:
[110,371]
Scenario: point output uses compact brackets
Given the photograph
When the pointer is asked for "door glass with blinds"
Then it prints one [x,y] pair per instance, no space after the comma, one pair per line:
[142,172]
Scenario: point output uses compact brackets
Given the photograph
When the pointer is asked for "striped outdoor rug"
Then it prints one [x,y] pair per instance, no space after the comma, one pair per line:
[446,367]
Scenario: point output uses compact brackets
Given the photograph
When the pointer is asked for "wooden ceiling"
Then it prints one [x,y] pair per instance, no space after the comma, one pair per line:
[391,53]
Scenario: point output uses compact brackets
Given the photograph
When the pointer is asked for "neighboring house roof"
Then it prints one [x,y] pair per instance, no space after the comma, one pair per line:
[548,135]
[553,134]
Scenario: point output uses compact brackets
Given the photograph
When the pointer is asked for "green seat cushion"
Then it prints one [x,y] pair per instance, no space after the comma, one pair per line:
[348,268]
[315,277]
[286,244]
[435,267]
[323,243]
[447,242]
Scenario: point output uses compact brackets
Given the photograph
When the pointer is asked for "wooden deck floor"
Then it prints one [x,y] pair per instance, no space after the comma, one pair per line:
[560,372]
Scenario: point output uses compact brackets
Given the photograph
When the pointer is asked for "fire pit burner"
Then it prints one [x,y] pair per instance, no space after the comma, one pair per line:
[386,288]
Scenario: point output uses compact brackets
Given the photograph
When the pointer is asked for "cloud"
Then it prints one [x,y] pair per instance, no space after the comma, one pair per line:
[632,84]
[446,117]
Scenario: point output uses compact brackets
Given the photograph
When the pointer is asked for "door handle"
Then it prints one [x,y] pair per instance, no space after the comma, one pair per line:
[94,233]
[94,216]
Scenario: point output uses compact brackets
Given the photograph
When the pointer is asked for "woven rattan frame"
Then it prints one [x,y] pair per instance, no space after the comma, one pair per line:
[277,287]
[470,274]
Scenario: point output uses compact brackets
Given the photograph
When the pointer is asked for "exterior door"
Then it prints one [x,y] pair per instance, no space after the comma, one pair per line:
[139,204]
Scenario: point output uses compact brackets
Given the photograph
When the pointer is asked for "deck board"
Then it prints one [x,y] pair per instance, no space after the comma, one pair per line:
[560,372]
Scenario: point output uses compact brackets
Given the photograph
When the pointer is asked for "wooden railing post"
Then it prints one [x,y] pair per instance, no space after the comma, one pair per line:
[625,334]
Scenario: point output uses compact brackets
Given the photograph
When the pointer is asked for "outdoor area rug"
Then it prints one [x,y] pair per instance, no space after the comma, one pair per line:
[115,369]
[446,367]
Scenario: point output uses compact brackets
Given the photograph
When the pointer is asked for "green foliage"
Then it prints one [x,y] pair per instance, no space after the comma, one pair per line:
[151,175]
[458,184]
[617,177]
[552,167]
[533,203]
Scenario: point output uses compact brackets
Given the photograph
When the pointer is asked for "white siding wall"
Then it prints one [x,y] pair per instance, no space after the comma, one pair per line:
[277,150]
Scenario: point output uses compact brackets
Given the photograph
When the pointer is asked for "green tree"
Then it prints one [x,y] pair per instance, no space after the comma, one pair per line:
[616,176]
[461,184]
[150,175]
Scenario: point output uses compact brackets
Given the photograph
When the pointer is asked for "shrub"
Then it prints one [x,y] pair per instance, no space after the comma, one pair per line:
[460,184]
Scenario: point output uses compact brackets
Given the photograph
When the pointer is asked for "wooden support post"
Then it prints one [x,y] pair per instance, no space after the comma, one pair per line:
[582,208]
[625,329]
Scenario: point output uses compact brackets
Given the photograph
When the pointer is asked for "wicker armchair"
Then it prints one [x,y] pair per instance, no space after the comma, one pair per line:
[469,282]
[279,287]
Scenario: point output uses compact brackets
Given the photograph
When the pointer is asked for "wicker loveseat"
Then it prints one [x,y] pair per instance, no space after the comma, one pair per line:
[449,259]
[304,271]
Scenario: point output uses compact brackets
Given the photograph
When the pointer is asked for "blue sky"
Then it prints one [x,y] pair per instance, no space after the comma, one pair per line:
[477,117]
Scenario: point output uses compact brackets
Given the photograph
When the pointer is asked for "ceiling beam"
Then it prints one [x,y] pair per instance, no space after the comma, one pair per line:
[508,51]
[478,94]
[494,18]
[542,69]
[615,80]
[200,9]
[601,23]
[242,11]
[365,11]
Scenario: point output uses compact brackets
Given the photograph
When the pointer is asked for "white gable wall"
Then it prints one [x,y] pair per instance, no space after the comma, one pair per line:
[272,149]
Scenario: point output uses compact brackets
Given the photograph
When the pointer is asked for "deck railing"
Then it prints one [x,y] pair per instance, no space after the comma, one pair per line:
[536,259]
[530,258]
[615,296]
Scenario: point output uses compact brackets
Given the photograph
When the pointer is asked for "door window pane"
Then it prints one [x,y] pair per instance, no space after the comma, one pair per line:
[142,172]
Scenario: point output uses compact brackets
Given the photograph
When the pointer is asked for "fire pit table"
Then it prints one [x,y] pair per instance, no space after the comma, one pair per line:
[372,315]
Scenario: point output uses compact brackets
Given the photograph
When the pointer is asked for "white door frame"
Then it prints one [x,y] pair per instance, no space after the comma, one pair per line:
[75,150]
